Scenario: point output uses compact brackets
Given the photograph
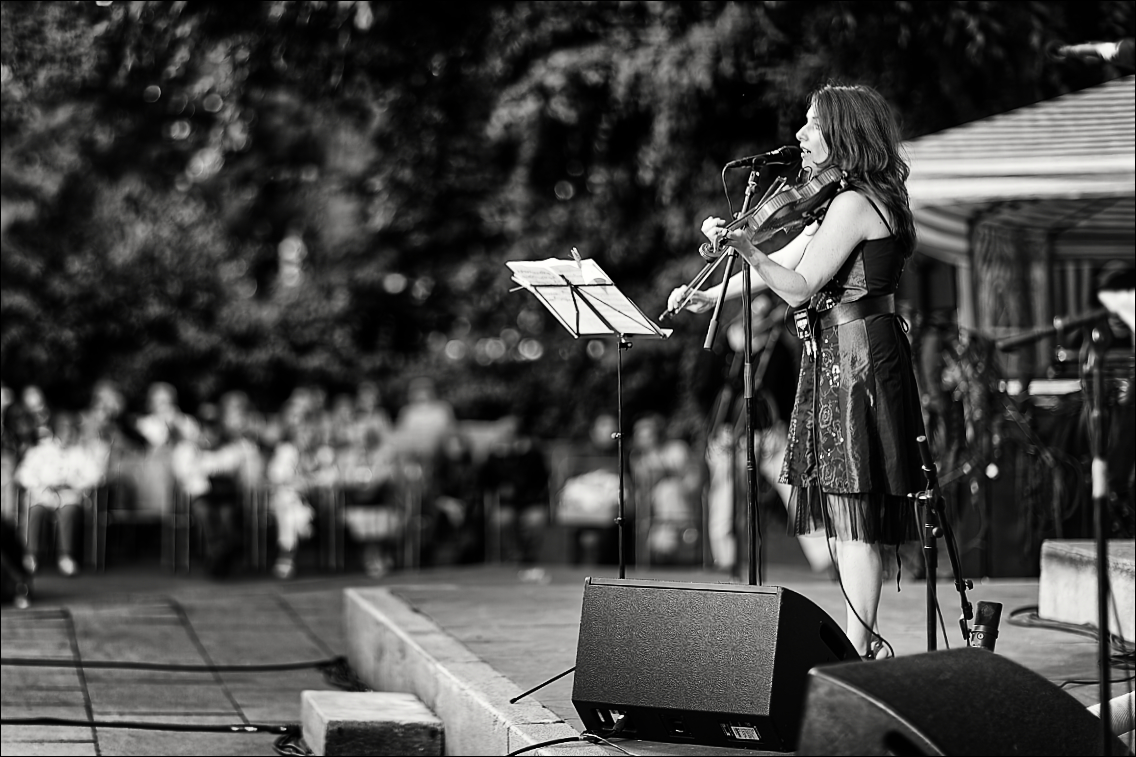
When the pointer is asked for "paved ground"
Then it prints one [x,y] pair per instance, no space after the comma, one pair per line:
[137,616]
[526,631]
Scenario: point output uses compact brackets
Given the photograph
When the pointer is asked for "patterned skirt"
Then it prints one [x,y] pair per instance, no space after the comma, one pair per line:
[852,454]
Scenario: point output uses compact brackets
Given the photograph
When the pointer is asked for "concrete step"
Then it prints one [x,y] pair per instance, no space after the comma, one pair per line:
[393,647]
[1067,590]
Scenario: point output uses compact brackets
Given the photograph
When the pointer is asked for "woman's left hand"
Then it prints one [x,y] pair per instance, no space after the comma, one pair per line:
[740,241]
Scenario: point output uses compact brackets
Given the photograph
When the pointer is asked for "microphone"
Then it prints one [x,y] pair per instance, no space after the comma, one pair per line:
[1119,53]
[780,155]
[985,632]
[1060,323]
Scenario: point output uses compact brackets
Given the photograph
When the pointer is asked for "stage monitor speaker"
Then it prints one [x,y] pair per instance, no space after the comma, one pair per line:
[710,664]
[958,701]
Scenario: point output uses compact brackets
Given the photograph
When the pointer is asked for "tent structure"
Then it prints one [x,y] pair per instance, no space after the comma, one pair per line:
[1025,209]
[1027,205]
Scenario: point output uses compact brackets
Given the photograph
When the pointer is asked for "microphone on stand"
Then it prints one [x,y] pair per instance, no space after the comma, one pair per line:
[778,156]
[1119,53]
[985,632]
[1060,323]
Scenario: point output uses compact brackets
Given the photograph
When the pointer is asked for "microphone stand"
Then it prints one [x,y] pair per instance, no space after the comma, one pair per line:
[1100,338]
[934,525]
[755,579]
[1093,380]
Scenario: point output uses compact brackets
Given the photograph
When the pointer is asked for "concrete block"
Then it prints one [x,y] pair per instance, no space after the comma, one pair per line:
[371,723]
[1067,589]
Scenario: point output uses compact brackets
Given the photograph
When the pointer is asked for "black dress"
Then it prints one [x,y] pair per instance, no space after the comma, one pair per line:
[857,414]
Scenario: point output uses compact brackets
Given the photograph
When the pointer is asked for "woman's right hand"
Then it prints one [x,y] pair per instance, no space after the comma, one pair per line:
[700,301]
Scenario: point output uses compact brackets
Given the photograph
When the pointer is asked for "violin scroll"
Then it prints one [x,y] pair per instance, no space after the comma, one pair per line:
[710,251]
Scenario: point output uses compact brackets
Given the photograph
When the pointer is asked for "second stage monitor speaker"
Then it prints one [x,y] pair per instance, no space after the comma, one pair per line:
[956,701]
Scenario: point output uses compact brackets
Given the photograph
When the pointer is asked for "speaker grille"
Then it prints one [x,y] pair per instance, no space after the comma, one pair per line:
[669,647]
[717,664]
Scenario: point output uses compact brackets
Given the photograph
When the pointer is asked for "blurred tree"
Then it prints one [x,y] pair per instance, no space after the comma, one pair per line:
[266,194]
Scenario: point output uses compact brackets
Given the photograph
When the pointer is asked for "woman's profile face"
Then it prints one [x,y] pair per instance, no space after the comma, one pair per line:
[814,148]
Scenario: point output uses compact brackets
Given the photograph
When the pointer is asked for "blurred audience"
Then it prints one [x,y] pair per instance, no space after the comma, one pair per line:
[454,517]
[516,477]
[162,427]
[370,415]
[289,479]
[421,491]
[27,421]
[588,499]
[8,457]
[217,466]
[423,423]
[57,474]
[368,478]
[668,483]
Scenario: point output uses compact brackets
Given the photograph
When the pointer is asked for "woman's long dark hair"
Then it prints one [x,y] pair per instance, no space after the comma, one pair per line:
[863,138]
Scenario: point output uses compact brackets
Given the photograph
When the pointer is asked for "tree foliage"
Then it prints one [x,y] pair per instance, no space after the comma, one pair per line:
[262,195]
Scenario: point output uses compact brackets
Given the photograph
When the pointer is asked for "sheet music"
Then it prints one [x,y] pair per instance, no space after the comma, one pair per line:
[583,298]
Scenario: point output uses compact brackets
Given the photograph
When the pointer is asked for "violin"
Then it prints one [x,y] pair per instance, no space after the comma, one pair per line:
[789,210]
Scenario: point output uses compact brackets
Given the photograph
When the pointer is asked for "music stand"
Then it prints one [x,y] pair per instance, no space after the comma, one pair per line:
[587,303]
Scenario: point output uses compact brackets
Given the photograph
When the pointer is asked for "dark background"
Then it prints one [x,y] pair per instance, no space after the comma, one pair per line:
[264,195]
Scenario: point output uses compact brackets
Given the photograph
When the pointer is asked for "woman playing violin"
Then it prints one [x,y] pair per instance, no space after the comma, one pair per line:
[852,456]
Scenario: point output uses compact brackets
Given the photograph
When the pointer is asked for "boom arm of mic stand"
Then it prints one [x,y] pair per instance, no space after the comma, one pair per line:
[934,502]
[1060,323]
[712,330]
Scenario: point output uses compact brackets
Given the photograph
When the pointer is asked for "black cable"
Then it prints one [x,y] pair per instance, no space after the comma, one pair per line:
[340,675]
[542,744]
[1123,659]
[46,662]
[1092,681]
[291,745]
[1032,620]
[238,728]
[593,738]
[840,579]
[726,191]
[336,671]
[540,686]
[588,736]
[939,612]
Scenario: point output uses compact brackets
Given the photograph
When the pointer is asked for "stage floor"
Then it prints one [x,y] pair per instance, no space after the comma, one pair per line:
[527,631]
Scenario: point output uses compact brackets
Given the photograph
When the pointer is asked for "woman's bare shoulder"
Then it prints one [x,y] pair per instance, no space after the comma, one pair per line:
[855,206]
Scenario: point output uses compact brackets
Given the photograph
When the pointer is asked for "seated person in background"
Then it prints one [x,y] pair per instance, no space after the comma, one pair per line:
[26,422]
[162,427]
[453,534]
[34,405]
[369,411]
[7,458]
[423,423]
[288,477]
[216,470]
[589,497]
[368,476]
[668,485]
[57,474]
[516,473]
[99,423]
